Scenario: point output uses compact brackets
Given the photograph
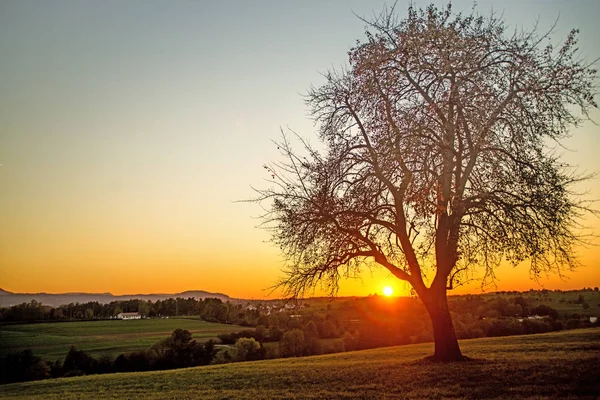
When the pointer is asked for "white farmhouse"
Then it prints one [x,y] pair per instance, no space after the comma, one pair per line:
[129,315]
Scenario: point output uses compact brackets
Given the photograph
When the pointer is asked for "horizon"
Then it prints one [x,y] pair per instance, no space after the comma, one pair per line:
[128,131]
[323,296]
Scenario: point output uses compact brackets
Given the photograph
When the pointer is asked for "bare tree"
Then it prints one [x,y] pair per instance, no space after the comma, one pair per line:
[436,160]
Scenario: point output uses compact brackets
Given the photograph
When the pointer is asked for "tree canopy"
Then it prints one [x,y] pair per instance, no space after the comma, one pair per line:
[436,157]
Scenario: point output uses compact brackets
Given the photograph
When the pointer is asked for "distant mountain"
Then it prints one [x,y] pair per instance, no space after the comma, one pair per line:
[8,299]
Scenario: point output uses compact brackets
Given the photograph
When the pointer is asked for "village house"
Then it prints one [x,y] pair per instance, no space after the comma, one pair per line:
[129,315]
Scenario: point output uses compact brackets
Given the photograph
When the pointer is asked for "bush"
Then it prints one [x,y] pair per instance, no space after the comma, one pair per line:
[231,338]
[248,349]
[544,310]
[351,340]
[23,366]
[536,326]
[333,346]
[574,323]
[556,325]
[272,352]
[424,337]
[274,334]
[222,357]
[505,327]
[328,330]
[78,362]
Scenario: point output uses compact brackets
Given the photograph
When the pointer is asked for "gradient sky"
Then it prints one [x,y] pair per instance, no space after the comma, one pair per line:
[128,129]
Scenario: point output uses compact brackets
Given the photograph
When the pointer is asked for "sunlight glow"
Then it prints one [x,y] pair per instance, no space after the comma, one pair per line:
[388,291]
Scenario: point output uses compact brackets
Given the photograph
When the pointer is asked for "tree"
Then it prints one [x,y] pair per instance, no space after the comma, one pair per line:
[116,311]
[311,339]
[78,362]
[292,343]
[248,349]
[144,308]
[22,366]
[436,159]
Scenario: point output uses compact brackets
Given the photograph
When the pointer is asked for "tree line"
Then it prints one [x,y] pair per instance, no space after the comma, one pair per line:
[209,309]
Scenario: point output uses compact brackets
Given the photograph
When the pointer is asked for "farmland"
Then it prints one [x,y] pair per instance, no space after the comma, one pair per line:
[53,340]
[558,364]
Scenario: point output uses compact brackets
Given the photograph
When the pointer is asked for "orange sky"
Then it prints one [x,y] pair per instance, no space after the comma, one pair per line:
[128,133]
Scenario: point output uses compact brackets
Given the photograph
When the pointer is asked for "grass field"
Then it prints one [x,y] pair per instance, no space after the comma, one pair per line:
[563,302]
[53,340]
[559,364]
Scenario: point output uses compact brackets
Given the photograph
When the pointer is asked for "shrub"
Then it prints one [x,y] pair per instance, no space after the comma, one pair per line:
[248,349]
[424,336]
[222,357]
[506,327]
[78,362]
[574,323]
[231,338]
[350,340]
[23,366]
[333,346]
[544,310]
[536,326]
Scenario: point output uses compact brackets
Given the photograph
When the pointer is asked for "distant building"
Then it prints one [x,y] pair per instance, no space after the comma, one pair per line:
[593,320]
[129,315]
[535,317]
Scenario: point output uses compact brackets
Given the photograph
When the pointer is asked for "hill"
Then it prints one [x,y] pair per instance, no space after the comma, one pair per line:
[563,364]
[8,299]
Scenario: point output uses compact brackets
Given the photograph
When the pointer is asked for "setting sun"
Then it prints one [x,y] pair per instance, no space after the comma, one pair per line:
[388,291]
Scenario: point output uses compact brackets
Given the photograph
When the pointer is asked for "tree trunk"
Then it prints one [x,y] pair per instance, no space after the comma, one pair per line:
[446,344]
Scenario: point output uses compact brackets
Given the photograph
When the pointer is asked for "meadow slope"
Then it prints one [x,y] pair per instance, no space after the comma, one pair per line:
[52,340]
[559,364]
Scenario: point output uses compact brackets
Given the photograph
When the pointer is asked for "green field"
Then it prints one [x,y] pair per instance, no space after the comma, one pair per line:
[53,340]
[563,302]
[560,364]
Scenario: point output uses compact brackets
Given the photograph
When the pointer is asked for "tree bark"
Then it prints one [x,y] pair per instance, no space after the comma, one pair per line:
[446,344]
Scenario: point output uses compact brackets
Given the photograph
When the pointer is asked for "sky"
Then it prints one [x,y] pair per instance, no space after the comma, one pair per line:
[130,130]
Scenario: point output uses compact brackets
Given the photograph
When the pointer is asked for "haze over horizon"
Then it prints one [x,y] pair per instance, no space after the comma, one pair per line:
[128,131]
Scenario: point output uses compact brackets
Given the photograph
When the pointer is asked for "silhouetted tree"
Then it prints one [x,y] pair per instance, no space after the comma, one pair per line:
[435,160]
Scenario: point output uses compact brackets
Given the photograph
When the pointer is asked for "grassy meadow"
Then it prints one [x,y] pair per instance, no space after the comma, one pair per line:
[559,364]
[565,302]
[52,340]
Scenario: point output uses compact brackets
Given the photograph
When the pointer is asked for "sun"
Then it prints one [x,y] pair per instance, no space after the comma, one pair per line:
[388,291]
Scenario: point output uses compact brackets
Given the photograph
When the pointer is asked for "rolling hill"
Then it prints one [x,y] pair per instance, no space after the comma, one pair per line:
[559,364]
[8,299]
